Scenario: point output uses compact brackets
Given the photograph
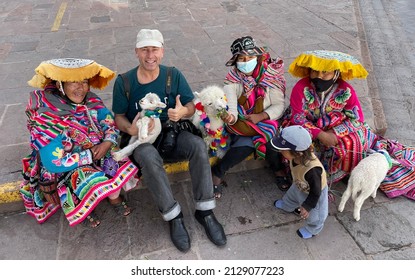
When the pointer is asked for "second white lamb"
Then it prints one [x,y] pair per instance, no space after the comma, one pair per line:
[365,179]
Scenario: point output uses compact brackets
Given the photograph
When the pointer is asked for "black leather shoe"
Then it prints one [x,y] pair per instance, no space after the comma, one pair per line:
[213,228]
[179,235]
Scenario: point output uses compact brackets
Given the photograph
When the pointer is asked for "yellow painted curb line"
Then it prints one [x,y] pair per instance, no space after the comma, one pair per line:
[9,192]
[59,17]
[177,167]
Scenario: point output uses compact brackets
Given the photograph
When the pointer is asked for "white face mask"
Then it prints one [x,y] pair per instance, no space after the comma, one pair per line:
[247,67]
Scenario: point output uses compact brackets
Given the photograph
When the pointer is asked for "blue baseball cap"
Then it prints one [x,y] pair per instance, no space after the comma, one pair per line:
[292,138]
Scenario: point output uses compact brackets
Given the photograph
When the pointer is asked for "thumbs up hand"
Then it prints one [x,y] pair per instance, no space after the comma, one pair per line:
[176,113]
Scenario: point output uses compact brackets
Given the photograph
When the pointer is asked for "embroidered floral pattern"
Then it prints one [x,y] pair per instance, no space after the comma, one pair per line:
[110,166]
[70,159]
[340,99]
[310,100]
[58,153]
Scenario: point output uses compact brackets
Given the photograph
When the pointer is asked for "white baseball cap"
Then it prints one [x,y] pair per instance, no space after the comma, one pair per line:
[149,38]
[294,138]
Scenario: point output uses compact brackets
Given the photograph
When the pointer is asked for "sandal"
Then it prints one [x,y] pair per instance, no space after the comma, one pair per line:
[283,182]
[218,189]
[91,221]
[121,207]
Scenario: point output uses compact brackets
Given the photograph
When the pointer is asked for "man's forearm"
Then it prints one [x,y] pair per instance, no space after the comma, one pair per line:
[122,123]
[189,110]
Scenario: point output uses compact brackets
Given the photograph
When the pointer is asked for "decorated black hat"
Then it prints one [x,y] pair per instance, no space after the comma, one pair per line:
[244,45]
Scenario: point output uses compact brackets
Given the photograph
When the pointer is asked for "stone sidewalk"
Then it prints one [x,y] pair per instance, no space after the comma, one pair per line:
[198,35]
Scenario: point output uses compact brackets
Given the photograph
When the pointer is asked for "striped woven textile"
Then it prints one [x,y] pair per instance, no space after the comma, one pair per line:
[340,160]
[265,130]
[400,179]
[48,116]
[268,73]
[97,188]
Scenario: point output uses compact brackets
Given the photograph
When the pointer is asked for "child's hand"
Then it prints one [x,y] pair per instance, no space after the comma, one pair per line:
[303,213]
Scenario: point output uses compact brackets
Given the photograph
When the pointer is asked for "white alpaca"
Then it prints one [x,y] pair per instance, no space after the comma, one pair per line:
[149,105]
[210,105]
[365,178]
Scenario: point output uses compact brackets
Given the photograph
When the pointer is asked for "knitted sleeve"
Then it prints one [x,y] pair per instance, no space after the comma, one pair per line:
[313,177]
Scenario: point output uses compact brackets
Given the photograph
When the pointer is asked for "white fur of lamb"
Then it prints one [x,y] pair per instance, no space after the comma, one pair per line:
[364,181]
[149,102]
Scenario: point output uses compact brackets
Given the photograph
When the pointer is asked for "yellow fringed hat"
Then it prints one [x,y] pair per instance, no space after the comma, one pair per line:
[71,70]
[322,60]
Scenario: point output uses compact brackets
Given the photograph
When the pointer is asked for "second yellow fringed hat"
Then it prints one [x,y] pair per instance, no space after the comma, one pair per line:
[71,70]
[323,60]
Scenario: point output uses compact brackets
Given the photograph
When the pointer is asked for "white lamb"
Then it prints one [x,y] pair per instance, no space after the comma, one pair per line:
[210,105]
[150,104]
[366,178]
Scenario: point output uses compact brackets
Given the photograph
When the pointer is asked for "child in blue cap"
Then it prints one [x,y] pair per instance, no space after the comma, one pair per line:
[308,194]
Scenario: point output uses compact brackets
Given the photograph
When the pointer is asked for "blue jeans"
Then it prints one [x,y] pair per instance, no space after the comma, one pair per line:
[293,198]
[188,147]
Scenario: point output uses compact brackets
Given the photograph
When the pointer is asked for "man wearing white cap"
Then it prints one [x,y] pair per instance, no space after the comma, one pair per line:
[151,76]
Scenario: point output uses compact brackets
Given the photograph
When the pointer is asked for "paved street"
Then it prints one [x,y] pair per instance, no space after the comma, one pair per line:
[198,35]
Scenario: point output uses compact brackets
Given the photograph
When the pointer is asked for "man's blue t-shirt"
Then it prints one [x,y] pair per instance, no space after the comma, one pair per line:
[179,85]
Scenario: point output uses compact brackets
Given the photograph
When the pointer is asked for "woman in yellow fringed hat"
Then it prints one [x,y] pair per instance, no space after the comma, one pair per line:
[72,134]
[328,107]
